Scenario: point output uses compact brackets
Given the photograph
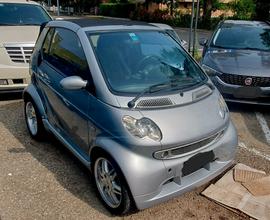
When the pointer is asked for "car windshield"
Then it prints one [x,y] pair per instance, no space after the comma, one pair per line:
[22,14]
[136,60]
[242,37]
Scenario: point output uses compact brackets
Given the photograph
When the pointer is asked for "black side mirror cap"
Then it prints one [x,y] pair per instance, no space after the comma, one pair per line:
[203,41]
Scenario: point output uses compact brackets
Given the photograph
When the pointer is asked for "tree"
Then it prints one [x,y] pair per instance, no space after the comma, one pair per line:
[208,7]
[243,9]
[262,10]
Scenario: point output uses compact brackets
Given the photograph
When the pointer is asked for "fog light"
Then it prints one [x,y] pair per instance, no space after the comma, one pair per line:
[3,82]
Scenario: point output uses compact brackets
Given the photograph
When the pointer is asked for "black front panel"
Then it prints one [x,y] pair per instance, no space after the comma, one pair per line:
[197,162]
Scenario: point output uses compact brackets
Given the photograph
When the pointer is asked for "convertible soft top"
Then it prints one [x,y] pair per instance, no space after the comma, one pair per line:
[101,21]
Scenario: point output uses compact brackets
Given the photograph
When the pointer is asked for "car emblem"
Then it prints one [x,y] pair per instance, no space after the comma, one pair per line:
[248,81]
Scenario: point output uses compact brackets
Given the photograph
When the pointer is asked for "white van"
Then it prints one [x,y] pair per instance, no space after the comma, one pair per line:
[20,22]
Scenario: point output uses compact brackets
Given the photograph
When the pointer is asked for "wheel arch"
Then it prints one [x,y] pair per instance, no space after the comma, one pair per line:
[30,92]
[99,149]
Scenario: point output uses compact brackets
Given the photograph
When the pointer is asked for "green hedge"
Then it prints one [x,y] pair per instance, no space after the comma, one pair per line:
[122,10]
[178,20]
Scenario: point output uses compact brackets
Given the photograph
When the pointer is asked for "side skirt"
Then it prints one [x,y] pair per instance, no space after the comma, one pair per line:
[76,152]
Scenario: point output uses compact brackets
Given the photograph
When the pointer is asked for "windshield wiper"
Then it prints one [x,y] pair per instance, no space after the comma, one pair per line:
[7,24]
[18,24]
[253,48]
[158,87]
[22,24]
[221,47]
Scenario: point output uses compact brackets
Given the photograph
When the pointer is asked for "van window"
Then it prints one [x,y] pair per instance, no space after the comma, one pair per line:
[22,14]
[67,55]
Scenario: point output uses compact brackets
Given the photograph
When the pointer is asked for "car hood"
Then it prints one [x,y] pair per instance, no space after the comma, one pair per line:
[189,123]
[241,62]
[18,34]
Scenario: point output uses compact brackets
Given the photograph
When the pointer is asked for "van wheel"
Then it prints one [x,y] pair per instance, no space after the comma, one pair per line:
[111,185]
[33,120]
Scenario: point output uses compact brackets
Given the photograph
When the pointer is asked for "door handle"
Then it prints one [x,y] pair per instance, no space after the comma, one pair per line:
[40,73]
[44,76]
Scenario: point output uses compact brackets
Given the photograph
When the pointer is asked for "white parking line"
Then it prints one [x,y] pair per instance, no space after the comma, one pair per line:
[254,151]
[264,126]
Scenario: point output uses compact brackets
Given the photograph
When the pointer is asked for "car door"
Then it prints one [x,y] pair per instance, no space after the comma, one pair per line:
[67,110]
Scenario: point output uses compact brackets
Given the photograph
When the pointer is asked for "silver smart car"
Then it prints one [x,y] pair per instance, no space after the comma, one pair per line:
[132,105]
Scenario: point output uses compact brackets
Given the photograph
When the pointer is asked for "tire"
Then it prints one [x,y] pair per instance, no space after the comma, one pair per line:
[122,203]
[33,120]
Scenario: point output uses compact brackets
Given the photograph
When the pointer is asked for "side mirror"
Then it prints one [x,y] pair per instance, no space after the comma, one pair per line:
[203,41]
[73,83]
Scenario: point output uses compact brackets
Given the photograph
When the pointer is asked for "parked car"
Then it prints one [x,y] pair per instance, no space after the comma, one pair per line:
[132,105]
[20,22]
[237,59]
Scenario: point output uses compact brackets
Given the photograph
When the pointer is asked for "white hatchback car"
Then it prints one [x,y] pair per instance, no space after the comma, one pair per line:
[20,22]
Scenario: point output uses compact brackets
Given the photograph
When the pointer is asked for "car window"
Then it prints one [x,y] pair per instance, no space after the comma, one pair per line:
[46,44]
[242,37]
[67,55]
[174,35]
[133,61]
[22,14]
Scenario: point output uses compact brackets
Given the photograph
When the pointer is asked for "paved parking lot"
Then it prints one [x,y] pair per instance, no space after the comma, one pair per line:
[44,181]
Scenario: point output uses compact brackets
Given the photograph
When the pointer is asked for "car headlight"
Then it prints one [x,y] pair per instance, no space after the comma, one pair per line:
[223,109]
[210,71]
[141,128]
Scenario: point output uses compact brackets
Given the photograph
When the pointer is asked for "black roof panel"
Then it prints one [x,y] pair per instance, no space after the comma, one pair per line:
[100,21]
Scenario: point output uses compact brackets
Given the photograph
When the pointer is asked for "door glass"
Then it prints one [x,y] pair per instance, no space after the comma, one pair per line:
[46,44]
[67,55]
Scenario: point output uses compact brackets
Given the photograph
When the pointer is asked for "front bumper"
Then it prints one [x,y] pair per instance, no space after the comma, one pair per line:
[242,94]
[152,181]
[16,78]
[188,183]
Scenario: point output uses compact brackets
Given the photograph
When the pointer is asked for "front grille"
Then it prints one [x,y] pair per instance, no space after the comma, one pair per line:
[189,148]
[240,80]
[19,53]
[152,103]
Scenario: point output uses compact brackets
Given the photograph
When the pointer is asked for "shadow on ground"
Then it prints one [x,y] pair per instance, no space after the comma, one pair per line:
[11,96]
[249,115]
[67,169]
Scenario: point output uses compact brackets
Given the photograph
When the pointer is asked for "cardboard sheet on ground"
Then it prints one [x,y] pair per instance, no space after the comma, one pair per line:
[233,194]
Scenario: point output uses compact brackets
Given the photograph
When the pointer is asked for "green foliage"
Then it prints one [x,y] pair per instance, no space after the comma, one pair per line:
[197,55]
[177,20]
[116,9]
[243,9]
[213,4]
